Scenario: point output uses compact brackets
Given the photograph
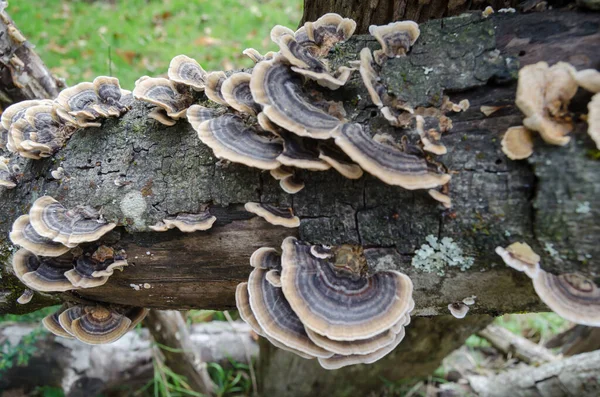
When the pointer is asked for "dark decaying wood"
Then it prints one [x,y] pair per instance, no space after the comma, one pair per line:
[576,340]
[23,75]
[496,201]
[516,346]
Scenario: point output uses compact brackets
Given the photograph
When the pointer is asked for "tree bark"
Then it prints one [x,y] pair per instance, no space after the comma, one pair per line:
[496,201]
[168,329]
[23,75]
[77,368]
[576,340]
[574,376]
[382,12]
[515,345]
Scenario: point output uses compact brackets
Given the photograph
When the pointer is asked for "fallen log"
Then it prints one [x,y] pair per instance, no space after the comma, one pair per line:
[496,201]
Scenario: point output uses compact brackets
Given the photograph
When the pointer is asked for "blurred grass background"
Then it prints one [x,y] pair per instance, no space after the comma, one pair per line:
[81,39]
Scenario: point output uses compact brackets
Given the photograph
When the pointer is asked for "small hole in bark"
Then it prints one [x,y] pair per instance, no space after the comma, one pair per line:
[521,53]
[109,160]
[89,161]
[373,113]
[499,161]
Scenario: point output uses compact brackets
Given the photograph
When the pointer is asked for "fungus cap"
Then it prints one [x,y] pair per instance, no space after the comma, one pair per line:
[458,309]
[266,258]
[231,139]
[594,119]
[571,296]
[41,274]
[52,220]
[67,317]
[197,115]
[274,278]
[160,115]
[321,251]
[25,297]
[73,104]
[214,81]
[387,163]
[275,216]
[236,92]
[23,234]
[276,318]
[51,323]
[340,162]
[517,143]
[588,79]
[329,30]
[445,200]
[396,38]
[89,273]
[191,222]
[279,90]
[281,172]
[521,257]
[327,299]
[242,302]
[301,152]
[186,70]
[162,93]
[291,184]
[370,77]
[100,325]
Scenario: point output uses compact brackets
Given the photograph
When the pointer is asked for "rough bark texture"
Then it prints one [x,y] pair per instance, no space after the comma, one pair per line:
[23,75]
[168,328]
[382,12]
[496,201]
[427,342]
[574,376]
[86,370]
[516,346]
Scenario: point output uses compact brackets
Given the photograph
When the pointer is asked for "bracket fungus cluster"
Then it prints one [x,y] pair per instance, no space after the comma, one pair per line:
[94,324]
[543,96]
[275,216]
[570,295]
[187,223]
[38,128]
[319,302]
[278,122]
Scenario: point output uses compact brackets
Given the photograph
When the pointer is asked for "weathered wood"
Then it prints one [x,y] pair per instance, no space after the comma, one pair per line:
[382,12]
[23,75]
[168,329]
[516,346]
[577,339]
[574,376]
[427,342]
[123,365]
[496,201]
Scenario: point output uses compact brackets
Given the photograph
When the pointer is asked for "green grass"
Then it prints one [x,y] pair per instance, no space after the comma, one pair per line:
[76,38]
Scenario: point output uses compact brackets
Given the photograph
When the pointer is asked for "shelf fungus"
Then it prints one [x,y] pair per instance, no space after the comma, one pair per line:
[593,119]
[317,302]
[275,216]
[42,274]
[24,234]
[337,159]
[291,184]
[387,162]
[458,309]
[214,82]
[588,79]
[320,36]
[256,56]
[517,143]
[543,95]
[70,227]
[94,270]
[51,323]
[301,152]
[187,223]
[236,93]
[187,71]
[7,177]
[431,139]
[25,297]
[306,63]
[170,98]
[395,39]
[275,86]
[442,198]
[520,257]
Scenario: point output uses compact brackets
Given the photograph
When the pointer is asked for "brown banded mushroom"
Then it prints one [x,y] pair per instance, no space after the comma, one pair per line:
[66,318]
[191,222]
[236,92]
[23,234]
[395,38]
[25,297]
[41,274]
[70,227]
[318,289]
[517,143]
[386,162]
[273,215]
[594,119]
[543,95]
[214,81]
[111,97]
[276,318]
[333,156]
[52,324]
[232,139]
[187,71]
[74,105]
[99,325]
[279,91]
[242,302]
[339,361]
[266,258]
[571,296]
[16,111]
[458,309]
[197,114]
[520,257]
[93,271]
[164,94]
[301,152]
[326,32]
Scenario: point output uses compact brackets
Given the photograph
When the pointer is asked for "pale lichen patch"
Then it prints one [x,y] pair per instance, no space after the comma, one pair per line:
[436,255]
